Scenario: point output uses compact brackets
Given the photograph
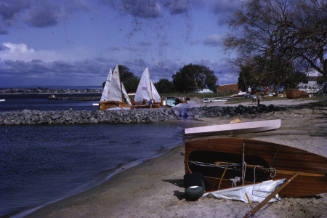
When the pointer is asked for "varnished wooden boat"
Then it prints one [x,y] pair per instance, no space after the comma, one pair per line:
[114,95]
[154,105]
[107,105]
[222,160]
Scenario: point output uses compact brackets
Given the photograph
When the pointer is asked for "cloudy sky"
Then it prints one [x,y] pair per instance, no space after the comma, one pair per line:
[75,42]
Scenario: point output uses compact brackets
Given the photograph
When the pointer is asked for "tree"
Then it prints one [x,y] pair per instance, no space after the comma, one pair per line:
[193,77]
[164,86]
[308,32]
[290,36]
[128,78]
[259,71]
[246,78]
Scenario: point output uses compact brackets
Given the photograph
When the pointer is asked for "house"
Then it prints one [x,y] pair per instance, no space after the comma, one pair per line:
[227,89]
[312,85]
[204,91]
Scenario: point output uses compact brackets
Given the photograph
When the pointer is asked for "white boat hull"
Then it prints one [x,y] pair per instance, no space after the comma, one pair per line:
[245,127]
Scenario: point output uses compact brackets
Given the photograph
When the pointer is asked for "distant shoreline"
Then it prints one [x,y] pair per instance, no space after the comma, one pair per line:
[49,91]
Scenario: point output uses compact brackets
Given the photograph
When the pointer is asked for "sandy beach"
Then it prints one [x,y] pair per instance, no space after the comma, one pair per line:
[155,188]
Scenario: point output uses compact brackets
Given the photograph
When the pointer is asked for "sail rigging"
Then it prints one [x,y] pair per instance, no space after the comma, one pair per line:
[146,89]
[114,91]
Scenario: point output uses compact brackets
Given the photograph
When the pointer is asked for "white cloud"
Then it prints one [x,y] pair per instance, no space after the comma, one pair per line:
[213,40]
[22,52]
[17,48]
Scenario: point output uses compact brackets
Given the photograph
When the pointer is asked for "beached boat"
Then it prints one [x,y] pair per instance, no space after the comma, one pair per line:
[114,95]
[146,95]
[232,128]
[239,94]
[235,162]
[210,100]
[173,101]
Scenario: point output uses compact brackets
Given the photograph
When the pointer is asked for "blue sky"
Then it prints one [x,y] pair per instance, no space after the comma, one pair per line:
[74,43]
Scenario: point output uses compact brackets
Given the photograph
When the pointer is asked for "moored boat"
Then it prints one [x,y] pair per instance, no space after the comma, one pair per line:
[146,95]
[52,97]
[114,95]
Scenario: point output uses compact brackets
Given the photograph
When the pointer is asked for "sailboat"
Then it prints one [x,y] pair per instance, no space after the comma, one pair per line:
[114,95]
[146,93]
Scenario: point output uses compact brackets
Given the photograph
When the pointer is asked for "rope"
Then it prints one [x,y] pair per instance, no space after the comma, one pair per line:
[254,174]
[202,164]
[272,171]
[243,165]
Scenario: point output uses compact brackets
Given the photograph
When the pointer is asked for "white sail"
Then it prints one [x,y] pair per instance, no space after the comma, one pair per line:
[155,94]
[126,95]
[105,92]
[249,193]
[146,89]
[114,92]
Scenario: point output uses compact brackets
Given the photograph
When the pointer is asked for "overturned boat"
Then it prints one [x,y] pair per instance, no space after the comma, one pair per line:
[232,128]
[236,162]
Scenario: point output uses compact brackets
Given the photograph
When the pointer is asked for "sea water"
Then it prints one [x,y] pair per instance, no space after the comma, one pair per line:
[41,102]
[39,164]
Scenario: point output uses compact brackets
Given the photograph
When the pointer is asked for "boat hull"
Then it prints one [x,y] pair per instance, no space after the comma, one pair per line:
[107,105]
[262,161]
[155,105]
[243,127]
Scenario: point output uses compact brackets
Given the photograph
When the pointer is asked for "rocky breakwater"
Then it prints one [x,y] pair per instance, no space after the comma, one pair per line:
[199,112]
[31,117]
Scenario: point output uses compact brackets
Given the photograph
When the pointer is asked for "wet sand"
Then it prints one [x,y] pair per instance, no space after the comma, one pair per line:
[155,188]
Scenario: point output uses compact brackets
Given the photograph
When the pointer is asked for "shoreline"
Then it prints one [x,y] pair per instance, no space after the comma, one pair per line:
[92,184]
[154,188]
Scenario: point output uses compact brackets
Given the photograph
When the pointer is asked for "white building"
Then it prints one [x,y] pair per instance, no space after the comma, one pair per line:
[312,85]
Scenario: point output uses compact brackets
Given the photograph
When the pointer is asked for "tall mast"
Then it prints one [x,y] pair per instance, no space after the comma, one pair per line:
[150,86]
[121,92]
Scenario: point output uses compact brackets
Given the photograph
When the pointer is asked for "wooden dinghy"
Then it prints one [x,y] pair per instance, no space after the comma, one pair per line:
[232,162]
[243,127]
[114,95]
[146,92]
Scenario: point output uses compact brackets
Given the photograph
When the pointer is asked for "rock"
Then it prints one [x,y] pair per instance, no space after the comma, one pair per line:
[31,117]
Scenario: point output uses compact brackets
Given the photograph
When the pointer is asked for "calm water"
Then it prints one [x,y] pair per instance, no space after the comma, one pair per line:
[39,164]
[43,103]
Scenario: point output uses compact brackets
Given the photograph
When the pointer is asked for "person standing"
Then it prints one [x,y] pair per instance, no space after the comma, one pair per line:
[258,99]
